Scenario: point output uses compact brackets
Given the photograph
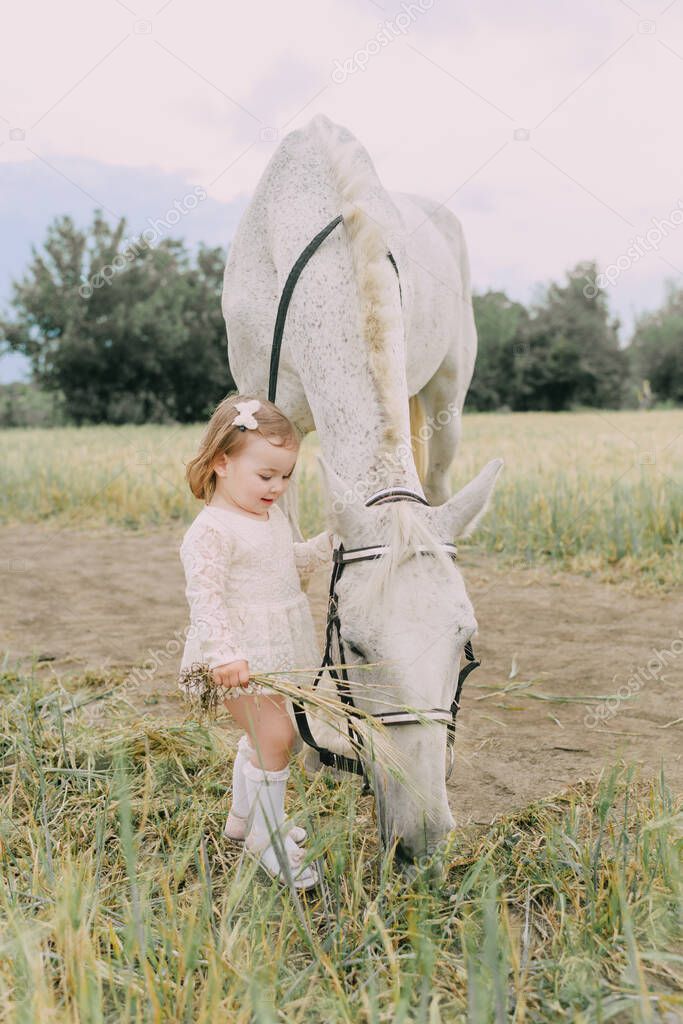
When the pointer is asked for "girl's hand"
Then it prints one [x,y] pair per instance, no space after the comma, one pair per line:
[236,673]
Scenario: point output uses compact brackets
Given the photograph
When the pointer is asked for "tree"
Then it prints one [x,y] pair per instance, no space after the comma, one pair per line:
[656,349]
[564,351]
[24,404]
[499,322]
[127,333]
[568,350]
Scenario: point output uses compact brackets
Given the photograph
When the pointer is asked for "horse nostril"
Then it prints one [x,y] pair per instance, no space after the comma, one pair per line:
[402,853]
[412,865]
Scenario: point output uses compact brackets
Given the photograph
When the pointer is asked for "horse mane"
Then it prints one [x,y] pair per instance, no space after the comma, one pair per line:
[359,187]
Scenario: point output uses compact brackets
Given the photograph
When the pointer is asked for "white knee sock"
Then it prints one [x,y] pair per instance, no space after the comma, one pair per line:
[278,853]
[240,797]
[266,794]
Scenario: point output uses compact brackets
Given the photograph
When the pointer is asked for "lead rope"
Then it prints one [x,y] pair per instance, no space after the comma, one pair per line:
[283,304]
[286,296]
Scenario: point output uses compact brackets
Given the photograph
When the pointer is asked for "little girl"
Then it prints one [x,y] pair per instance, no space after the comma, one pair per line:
[248,612]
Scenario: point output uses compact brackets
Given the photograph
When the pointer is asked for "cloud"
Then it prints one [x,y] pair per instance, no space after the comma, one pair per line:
[190,96]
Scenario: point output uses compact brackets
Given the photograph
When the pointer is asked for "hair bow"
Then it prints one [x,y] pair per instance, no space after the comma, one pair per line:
[246,418]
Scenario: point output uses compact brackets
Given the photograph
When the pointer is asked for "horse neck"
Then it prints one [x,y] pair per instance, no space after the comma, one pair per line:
[353,377]
[361,456]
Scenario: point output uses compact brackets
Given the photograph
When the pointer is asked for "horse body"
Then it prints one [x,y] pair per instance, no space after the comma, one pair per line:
[333,367]
[355,349]
[441,340]
[439,323]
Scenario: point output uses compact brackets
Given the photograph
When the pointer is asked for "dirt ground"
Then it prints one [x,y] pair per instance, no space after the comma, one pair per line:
[107,599]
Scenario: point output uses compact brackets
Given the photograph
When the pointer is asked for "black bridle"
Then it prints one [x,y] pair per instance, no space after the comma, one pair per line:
[343,556]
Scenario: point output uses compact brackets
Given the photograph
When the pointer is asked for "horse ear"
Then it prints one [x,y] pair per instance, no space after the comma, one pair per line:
[459,516]
[342,500]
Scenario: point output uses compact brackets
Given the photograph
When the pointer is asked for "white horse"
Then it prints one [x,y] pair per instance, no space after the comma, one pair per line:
[372,359]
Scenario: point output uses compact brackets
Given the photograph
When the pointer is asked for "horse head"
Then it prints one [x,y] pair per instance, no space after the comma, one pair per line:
[411,614]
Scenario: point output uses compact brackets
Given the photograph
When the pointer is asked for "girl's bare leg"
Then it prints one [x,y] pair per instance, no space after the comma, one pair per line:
[265,719]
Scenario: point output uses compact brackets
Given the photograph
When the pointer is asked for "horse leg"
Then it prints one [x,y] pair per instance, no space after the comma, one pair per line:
[289,503]
[442,409]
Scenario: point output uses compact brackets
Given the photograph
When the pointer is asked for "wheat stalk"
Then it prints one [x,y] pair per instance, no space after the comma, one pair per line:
[375,739]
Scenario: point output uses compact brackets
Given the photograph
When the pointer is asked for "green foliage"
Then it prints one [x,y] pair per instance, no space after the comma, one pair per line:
[656,351]
[120,901]
[500,324]
[24,404]
[126,333]
[562,353]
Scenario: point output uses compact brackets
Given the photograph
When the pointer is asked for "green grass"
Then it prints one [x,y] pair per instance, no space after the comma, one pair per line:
[119,901]
[592,492]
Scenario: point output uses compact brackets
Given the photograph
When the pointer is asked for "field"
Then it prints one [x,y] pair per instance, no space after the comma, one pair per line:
[562,882]
[592,492]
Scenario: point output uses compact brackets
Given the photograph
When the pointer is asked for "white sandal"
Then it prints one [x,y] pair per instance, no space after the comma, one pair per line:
[236,829]
[302,878]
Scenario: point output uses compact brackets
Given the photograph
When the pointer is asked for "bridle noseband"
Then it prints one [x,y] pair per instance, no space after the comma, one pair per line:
[343,556]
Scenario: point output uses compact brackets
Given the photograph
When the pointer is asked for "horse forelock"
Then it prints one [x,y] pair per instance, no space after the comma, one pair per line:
[357,185]
[406,531]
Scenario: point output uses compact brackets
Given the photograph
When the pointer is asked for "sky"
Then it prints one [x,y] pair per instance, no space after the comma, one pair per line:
[551,130]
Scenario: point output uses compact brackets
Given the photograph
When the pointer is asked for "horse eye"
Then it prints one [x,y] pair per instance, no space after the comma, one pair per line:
[356,650]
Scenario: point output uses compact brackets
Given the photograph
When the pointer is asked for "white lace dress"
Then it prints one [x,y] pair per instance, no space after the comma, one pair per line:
[246,603]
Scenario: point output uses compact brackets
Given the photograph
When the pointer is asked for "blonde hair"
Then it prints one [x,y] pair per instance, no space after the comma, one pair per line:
[221,438]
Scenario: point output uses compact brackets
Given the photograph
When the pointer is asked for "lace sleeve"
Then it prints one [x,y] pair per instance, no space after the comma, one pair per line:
[313,554]
[206,561]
